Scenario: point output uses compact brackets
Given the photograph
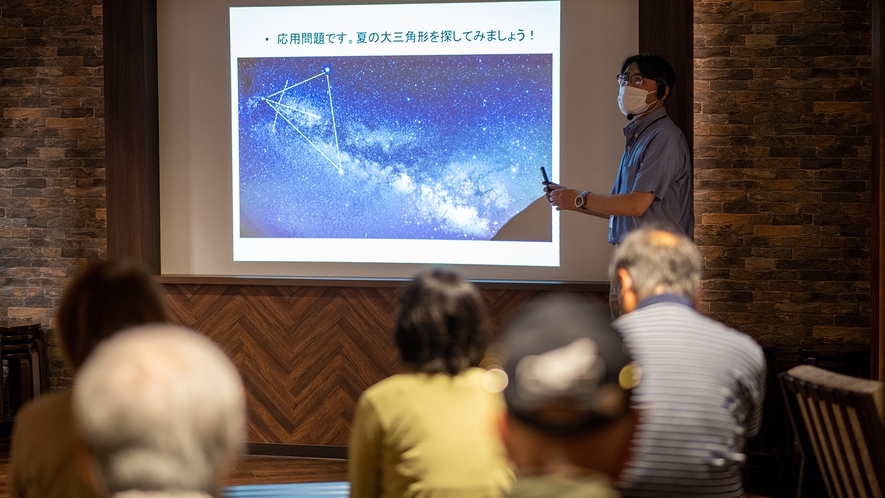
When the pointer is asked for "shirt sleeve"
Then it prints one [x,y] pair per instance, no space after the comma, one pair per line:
[364,471]
[755,387]
[660,166]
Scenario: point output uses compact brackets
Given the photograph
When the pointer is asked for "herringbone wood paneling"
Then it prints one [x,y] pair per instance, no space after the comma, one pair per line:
[307,352]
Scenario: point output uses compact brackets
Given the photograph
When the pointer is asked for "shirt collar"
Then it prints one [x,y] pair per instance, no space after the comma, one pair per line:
[639,125]
[666,298]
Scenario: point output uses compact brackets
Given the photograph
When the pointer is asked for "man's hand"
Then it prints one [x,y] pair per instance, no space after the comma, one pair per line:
[549,187]
[563,199]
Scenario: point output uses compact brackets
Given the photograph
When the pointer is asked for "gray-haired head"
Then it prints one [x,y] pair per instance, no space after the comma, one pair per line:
[160,407]
[658,262]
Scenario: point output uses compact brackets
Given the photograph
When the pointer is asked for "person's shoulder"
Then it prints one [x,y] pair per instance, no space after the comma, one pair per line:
[48,406]
[742,344]
[46,420]
[658,313]
[722,328]
[664,323]
[734,334]
[663,133]
[404,383]
[667,127]
[393,385]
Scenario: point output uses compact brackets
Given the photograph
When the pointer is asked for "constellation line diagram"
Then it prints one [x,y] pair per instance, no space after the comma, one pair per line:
[281,109]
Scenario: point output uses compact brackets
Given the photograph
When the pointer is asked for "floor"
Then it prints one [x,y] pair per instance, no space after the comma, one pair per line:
[251,470]
[248,470]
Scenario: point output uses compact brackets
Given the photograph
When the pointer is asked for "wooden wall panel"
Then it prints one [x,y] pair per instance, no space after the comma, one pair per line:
[307,352]
[132,144]
[666,28]
[877,297]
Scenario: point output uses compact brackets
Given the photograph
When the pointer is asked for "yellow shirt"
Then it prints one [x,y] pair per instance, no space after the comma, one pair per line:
[419,435]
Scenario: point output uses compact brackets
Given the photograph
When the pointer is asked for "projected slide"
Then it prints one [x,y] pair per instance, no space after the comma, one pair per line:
[395,133]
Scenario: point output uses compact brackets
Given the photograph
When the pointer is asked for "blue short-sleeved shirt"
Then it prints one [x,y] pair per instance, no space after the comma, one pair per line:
[656,159]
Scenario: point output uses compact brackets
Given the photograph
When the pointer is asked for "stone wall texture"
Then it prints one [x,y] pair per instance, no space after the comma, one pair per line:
[782,163]
[52,196]
[783,167]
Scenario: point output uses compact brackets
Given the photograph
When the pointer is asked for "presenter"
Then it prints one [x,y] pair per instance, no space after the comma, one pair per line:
[654,185]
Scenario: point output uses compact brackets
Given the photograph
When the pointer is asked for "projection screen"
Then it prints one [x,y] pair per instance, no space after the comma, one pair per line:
[373,139]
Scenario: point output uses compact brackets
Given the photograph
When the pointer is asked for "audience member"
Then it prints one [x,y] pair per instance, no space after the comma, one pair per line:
[431,432]
[569,423]
[702,385]
[101,300]
[161,411]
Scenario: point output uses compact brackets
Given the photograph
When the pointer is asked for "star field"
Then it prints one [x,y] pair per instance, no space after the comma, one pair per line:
[406,147]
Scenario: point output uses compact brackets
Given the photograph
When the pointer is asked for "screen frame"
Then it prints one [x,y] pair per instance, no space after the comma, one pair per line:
[457,215]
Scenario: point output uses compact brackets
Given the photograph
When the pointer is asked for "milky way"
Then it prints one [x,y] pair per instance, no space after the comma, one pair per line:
[407,147]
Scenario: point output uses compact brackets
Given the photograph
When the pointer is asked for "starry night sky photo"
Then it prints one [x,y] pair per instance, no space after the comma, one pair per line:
[402,147]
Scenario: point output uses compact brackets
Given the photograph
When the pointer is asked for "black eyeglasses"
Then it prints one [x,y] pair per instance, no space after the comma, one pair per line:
[635,80]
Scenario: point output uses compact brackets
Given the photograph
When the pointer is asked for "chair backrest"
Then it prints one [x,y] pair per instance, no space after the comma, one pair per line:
[840,423]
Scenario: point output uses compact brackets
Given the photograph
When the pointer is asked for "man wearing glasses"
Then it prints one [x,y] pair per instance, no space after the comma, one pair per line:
[654,185]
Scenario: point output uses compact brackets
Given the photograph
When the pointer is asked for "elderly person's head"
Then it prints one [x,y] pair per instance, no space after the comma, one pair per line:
[159,408]
[442,325]
[649,262]
[102,299]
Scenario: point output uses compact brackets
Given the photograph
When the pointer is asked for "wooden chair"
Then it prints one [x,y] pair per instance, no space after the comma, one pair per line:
[840,424]
[23,350]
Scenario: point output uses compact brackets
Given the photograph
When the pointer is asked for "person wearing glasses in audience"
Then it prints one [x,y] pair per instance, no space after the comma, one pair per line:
[654,184]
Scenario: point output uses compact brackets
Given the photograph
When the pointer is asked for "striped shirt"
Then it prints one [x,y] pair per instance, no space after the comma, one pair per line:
[700,396]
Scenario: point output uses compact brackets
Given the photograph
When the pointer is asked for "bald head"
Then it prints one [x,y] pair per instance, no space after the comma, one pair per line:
[658,262]
[660,238]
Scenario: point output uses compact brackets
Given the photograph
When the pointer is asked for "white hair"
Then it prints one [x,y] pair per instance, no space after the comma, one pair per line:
[160,407]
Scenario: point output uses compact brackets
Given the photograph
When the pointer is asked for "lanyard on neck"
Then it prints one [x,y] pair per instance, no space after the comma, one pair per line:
[647,127]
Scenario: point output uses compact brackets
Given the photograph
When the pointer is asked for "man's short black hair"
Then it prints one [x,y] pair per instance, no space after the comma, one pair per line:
[653,67]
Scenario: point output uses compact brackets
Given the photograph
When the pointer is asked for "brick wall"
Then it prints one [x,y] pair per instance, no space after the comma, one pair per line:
[783,167]
[52,200]
[782,162]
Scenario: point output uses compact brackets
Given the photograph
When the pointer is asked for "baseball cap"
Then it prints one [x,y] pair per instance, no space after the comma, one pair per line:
[567,371]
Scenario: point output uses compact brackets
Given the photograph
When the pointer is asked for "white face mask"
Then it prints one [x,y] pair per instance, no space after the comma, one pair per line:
[631,100]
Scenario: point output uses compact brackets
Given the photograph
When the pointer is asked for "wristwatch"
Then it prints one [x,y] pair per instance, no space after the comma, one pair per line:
[581,199]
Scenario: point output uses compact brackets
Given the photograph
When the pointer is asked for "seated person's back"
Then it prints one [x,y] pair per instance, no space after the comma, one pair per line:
[696,412]
[101,300]
[433,433]
[703,383]
[430,432]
